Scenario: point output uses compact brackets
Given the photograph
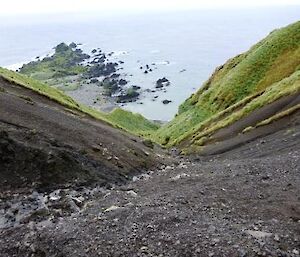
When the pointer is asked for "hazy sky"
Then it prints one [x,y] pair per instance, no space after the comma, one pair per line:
[9,7]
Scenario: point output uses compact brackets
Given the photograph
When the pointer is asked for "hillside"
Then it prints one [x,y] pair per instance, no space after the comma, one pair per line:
[132,123]
[49,141]
[265,74]
[78,182]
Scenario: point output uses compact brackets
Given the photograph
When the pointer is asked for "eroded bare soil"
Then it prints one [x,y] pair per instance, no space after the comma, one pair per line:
[45,146]
[245,202]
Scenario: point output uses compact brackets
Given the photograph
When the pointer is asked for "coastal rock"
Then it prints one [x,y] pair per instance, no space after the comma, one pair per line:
[160,83]
[94,81]
[115,76]
[73,45]
[123,82]
[99,70]
[166,101]
[130,95]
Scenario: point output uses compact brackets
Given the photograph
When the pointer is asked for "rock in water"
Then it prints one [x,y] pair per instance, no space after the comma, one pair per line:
[166,101]
[162,83]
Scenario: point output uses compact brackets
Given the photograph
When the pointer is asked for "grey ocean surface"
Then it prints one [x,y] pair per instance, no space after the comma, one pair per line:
[194,41]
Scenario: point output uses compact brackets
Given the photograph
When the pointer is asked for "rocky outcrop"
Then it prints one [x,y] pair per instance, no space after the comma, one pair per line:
[166,101]
[163,82]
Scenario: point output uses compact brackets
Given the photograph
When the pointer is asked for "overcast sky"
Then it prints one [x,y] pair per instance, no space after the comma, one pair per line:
[9,7]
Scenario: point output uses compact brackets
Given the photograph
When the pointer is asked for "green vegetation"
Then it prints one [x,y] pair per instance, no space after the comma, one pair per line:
[287,86]
[269,70]
[64,62]
[133,123]
[39,87]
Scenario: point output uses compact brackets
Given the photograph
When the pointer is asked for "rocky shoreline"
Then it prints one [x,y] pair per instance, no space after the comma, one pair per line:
[96,79]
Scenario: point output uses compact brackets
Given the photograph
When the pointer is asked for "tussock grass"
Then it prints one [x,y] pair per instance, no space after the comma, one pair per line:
[235,84]
[280,89]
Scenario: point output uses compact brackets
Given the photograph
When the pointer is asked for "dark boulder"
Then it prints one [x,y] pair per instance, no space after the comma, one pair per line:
[62,47]
[73,45]
[130,95]
[160,83]
[94,81]
[166,101]
[115,76]
[123,82]
[99,70]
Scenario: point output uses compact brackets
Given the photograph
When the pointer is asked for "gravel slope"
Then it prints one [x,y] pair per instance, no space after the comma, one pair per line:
[244,202]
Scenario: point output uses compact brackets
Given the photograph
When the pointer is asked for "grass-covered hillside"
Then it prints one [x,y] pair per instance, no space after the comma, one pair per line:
[265,73]
[65,61]
[243,86]
[69,68]
[130,122]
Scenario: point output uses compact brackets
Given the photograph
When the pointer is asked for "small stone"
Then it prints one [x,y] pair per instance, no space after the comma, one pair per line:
[96,148]
[296,252]
[216,240]
[166,101]
[132,193]
[179,176]
[258,234]
[112,208]
[144,249]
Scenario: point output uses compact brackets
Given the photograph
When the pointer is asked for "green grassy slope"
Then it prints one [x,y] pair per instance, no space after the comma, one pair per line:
[64,62]
[133,123]
[270,69]
[266,72]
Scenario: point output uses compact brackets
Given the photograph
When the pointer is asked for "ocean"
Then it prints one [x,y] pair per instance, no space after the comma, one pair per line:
[185,46]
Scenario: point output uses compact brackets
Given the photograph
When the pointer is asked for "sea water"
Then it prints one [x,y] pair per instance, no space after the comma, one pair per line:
[185,47]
